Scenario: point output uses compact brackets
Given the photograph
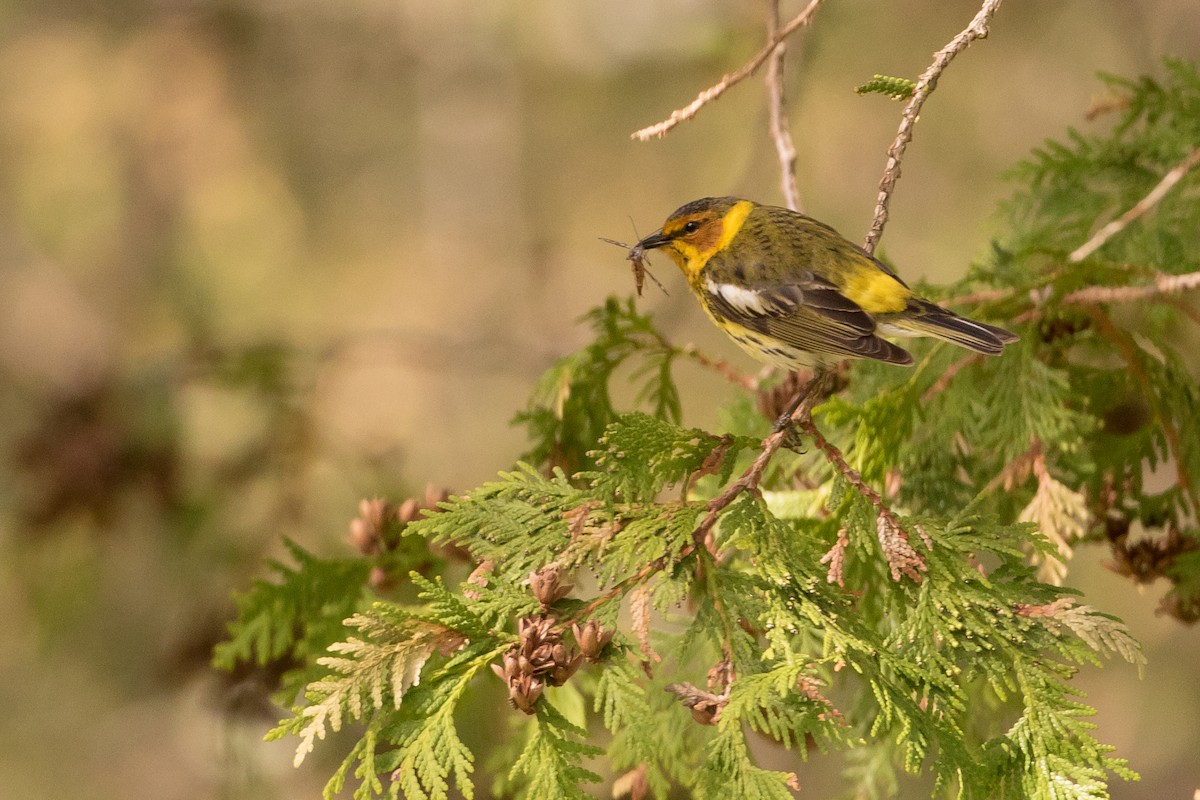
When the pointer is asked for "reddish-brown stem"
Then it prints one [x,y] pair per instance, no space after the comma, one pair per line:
[1128,349]
[946,377]
[721,367]
[853,477]
[633,580]
[894,539]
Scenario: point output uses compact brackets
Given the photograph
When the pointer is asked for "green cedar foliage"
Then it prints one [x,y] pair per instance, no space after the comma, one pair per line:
[295,620]
[892,593]
[571,405]
[895,88]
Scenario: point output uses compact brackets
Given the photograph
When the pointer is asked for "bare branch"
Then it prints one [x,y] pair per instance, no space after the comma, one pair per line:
[780,128]
[1163,284]
[978,29]
[731,79]
[1145,204]
[1095,295]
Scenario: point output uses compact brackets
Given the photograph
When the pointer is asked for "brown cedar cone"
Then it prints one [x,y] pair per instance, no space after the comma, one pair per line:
[539,659]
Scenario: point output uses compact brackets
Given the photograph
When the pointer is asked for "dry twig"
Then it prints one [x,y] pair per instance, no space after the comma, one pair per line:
[1145,204]
[1163,284]
[781,132]
[978,29]
[658,130]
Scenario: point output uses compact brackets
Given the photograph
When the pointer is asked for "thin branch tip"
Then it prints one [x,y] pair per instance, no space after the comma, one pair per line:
[1144,205]
[728,81]
[977,29]
[781,134]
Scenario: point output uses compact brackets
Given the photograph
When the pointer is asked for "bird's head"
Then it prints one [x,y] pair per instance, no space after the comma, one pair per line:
[698,230]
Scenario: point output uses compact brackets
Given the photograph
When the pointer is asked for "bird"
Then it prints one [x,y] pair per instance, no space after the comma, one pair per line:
[795,293]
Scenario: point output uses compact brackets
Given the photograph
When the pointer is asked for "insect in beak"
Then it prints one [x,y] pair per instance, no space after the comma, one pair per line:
[637,258]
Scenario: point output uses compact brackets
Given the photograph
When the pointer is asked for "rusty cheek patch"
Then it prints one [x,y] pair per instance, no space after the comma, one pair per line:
[693,250]
[705,240]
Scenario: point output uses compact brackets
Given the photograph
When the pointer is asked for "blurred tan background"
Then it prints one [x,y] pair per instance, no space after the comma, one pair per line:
[261,259]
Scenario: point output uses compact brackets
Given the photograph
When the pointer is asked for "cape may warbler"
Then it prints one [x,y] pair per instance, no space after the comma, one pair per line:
[793,292]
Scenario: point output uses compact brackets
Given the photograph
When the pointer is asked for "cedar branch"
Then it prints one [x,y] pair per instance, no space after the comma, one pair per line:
[806,398]
[893,538]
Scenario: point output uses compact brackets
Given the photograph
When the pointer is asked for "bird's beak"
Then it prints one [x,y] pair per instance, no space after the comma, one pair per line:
[653,241]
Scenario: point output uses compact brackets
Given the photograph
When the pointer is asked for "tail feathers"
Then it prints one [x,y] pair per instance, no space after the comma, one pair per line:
[923,318]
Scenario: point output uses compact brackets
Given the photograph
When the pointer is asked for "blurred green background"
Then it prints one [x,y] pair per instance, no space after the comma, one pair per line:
[261,259]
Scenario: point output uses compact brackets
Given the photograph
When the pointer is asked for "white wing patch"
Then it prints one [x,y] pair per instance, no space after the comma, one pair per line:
[887,329]
[746,301]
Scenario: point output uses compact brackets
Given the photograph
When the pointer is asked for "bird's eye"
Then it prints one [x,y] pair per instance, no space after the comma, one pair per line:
[691,227]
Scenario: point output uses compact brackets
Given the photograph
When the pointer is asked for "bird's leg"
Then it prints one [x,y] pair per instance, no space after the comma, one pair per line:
[786,420]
